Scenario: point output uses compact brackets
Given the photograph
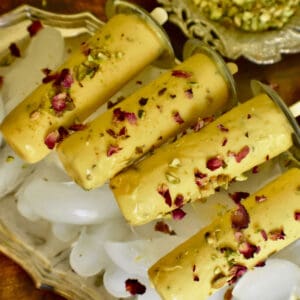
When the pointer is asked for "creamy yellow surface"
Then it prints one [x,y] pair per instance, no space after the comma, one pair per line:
[257,124]
[173,275]
[126,44]
[202,93]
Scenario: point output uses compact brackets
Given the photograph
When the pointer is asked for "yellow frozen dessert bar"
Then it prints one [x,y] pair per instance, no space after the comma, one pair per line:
[91,75]
[194,165]
[242,239]
[150,116]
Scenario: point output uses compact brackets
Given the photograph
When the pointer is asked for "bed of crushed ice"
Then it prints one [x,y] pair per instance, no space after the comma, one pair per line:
[91,222]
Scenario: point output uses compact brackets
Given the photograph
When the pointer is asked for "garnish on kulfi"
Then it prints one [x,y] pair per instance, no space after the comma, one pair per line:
[242,239]
[222,151]
[174,101]
[89,77]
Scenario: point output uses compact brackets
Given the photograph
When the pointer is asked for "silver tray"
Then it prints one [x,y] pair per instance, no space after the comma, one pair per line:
[261,48]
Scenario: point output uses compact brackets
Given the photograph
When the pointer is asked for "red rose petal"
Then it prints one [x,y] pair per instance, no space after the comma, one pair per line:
[179,200]
[236,271]
[14,50]
[264,235]
[261,198]
[120,116]
[225,140]
[222,128]
[1,81]
[255,170]
[277,234]
[240,218]
[242,154]
[297,215]
[51,139]
[34,27]
[181,74]
[131,117]
[64,79]
[196,277]
[112,149]
[189,93]
[163,227]
[178,214]
[260,264]
[63,133]
[199,178]
[163,190]
[238,196]
[248,250]
[59,103]
[134,287]
[77,127]
[177,117]
[214,163]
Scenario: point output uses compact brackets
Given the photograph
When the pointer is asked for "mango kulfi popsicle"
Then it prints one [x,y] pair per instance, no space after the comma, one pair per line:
[193,166]
[242,239]
[196,88]
[89,77]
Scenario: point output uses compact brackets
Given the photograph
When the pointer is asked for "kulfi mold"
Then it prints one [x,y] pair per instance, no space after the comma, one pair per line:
[181,97]
[119,50]
[239,140]
[113,7]
[220,253]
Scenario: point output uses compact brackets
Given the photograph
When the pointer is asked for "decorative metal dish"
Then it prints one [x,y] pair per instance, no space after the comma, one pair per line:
[260,47]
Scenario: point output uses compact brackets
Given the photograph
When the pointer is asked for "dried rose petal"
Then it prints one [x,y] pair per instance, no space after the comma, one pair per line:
[240,218]
[163,190]
[225,140]
[238,196]
[58,102]
[64,79]
[131,117]
[248,250]
[260,264]
[177,117]
[51,139]
[249,116]
[50,77]
[222,128]
[261,198]
[34,27]
[277,234]
[255,170]
[199,177]
[63,133]
[264,235]
[189,93]
[112,133]
[162,91]
[119,116]
[134,287]
[236,272]
[123,131]
[163,227]
[242,154]
[1,81]
[297,215]
[112,149]
[14,50]
[179,200]
[77,127]
[178,214]
[196,277]
[181,74]
[214,163]
[143,101]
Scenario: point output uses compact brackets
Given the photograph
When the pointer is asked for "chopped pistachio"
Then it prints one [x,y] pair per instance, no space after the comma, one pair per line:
[10,158]
[172,179]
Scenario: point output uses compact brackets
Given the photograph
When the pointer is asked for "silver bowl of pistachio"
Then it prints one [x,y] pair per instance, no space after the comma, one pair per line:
[259,30]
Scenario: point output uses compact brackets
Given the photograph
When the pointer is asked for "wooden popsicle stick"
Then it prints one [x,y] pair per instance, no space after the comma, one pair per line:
[295,109]
[159,15]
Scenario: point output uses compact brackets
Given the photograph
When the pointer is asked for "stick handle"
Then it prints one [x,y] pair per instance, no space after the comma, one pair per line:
[295,109]
[160,15]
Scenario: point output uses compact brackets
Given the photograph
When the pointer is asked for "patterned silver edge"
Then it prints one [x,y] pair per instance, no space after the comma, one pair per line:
[261,47]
